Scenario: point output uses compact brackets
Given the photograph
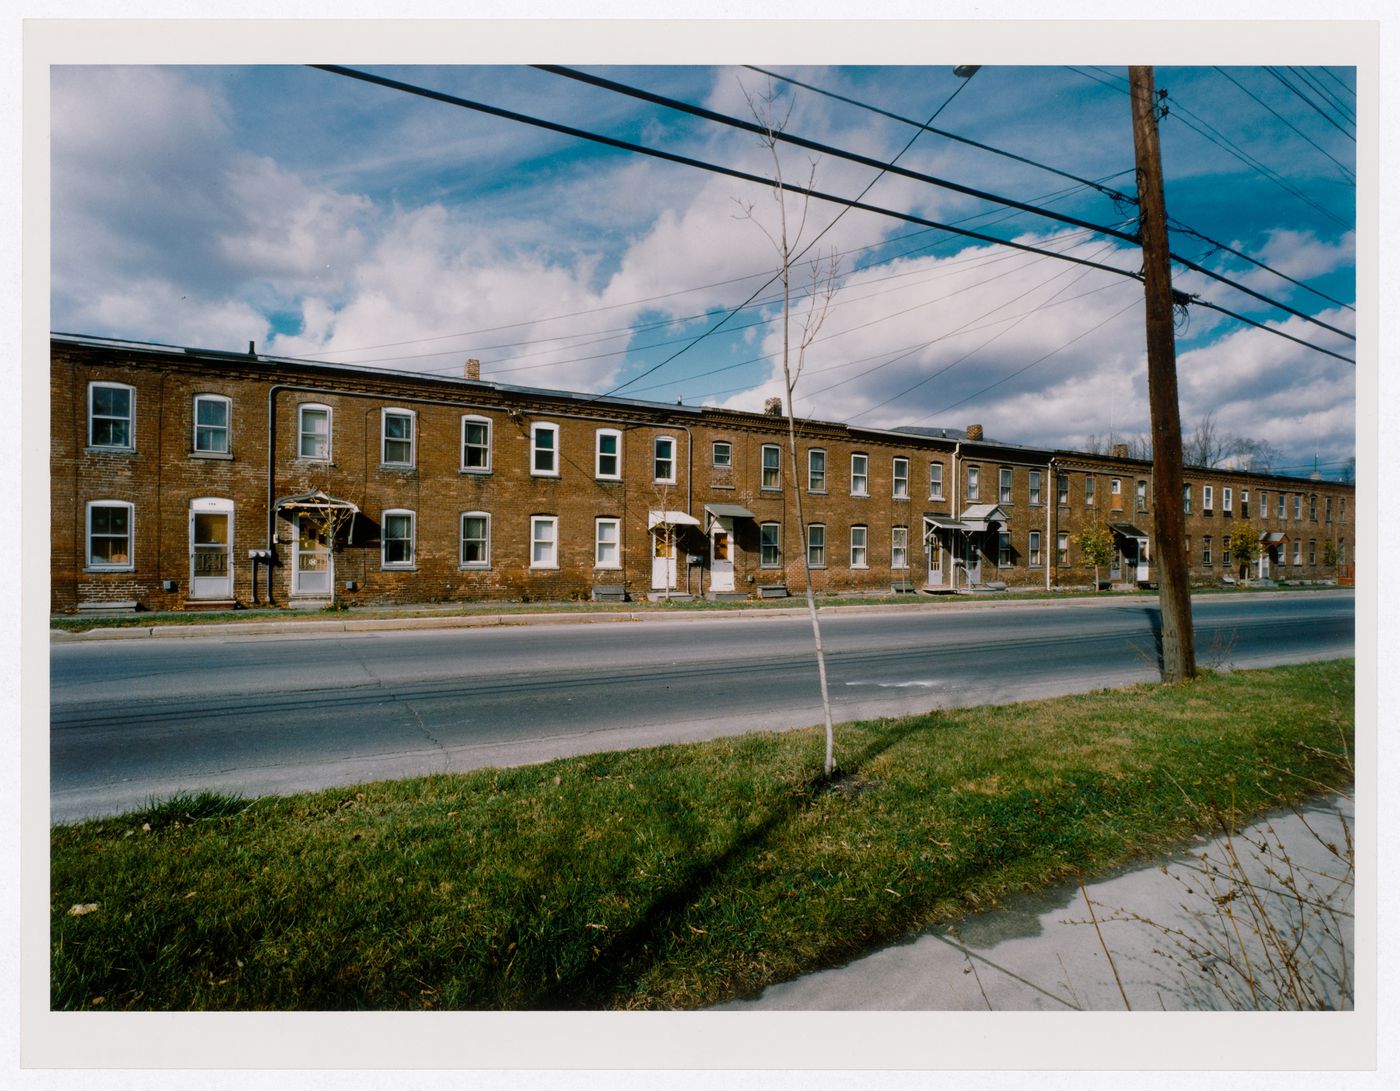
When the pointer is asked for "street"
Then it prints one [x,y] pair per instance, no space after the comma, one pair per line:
[133,719]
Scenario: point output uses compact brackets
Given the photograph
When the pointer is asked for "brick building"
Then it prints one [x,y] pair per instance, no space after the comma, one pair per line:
[186,478]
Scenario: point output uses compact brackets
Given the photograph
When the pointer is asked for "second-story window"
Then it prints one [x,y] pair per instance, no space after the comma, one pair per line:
[476,445]
[314,432]
[1227,500]
[901,479]
[1004,493]
[1089,491]
[1312,508]
[935,481]
[111,416]
[607,457]
[860,475]
[1142,496]
[398,449]
[211,424]
[1208,499]
[722,454]
[816,470]
[1186,499]
[974,482]
[544,450]
[1244,503]
[1034,494]
[772,467]
[664,460]
[1062,489]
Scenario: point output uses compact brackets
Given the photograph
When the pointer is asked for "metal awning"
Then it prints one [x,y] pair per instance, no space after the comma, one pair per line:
[729,511]
[1273,538]
[315,500]
[1127,530]
[941,522]
[982,516]
[670,519]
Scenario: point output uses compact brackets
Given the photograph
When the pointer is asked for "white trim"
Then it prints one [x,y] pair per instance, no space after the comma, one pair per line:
[821,546]
[728,445]
[811,453]
[777,468]
[615,543]
[863,476]
[656,442]
[864,546]
[314,407]
[895,532]
[411,439]
[223,585]
[130,417]
[536,430]
[935,493]
[488,425]
[777,546]
[412,561]
[89,564]
[227,426]
[616,455]
[895,477]
[552,541]
[485,562]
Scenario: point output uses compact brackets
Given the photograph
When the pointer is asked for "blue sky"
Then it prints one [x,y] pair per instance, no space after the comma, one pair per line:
[320,216]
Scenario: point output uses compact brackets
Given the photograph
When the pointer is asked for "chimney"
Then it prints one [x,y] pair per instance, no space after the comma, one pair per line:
[1120,450]
[773,407]
[974,431]
[474,370]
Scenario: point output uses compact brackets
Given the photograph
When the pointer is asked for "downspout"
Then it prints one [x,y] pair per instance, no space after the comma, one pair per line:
[1050,483]
[957,506]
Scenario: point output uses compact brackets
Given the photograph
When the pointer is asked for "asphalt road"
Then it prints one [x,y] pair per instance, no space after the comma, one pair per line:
[263,714]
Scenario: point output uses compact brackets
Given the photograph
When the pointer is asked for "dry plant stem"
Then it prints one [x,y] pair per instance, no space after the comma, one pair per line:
[1107,954]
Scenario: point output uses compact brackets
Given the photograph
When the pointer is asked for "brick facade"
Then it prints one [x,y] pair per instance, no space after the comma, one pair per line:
[138,482]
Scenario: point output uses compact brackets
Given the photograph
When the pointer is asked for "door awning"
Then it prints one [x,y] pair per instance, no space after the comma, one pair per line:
[729,511]
[670,519]
[316,500]
[1273,538]
[1127,530]
[982,516]
[941,522]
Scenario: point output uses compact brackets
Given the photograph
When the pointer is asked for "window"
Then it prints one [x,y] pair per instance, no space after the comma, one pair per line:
[772,467]
[901,479]
[1115,492]
[899,547]
[607,543]
[1312,551]
[1186,499]
[1208,499]
[1062,489]
[935,481]
[816,470]
[860,538]
[1062,547]
[1244,503]
[1329,510]
[1004,493]
[1033,548]
[1004,550]
[397,427]
[1342,509]
[860,475]
[722,455]
[1205,552]
[544,541]
[1225,551]
[1282,510]
[1089,491]
[211,422]
[476,445]
[1263,505]
[1297,507]
[974,482]
[109,535]
[1034,491]
[607,454]
[663,450]
[544,450]
[816,545]
[111,415]
[1227,500]
[476,539]
[1297,552]
[396,540]
[770,554]
[314,432]
[1312,507]
[1141,496]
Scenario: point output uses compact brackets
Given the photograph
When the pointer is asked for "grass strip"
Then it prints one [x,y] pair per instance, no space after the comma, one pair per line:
[673,877]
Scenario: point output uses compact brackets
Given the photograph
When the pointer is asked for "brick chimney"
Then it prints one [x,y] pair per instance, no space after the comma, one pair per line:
[974,431]
[1120,450]
[773,407]
[474,370]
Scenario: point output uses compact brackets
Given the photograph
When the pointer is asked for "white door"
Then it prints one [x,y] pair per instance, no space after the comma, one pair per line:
[663,558]
[312,562]
[211,535]
[936,560]
[971,554]
[1142,574]
[721,558]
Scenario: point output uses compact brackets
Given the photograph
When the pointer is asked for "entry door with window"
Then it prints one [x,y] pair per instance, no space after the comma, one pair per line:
[312,563]
[935,559]
[721,559]
[211,533]
[663,558]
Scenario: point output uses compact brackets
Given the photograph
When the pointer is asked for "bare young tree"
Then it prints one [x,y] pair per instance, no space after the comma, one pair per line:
[821,275]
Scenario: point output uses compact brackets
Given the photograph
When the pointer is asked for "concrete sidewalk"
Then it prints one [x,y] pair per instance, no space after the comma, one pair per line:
[1180,934]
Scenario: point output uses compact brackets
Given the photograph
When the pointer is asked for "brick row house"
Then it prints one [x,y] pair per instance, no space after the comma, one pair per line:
[188,479]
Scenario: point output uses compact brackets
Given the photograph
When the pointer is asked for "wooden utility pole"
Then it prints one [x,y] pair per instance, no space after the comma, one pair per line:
[1174,595]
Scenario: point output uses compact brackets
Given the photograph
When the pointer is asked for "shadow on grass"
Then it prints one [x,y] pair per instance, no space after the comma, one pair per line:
[626,954]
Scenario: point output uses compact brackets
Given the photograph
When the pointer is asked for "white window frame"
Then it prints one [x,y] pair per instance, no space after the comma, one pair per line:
[935,481]
[1207,558]
[544,549]
[92,565]
[129,418]
[1227,500]
[1033,558]
[538,429]
[1062,490]
[899,473]
[411,439]
[226,429]
[485,540]
[1244,503]
[384,539]
[1006,483]
[1186,499]
[663,466]
[1140,494]
[602,545]
[860,546]
[1004,558]
[469,421]
[1297,507]
[302,434]
[860,478]
[1089,490]
[1115,486]
[1062,548]
[816,545]
[725,463]
[1312,507]
[816,475]
[1282,506]
[899,547]
[1033,488]
[974,482]
[1207,500]
[1297,553]
[775,532]
[615,454]
[775,470]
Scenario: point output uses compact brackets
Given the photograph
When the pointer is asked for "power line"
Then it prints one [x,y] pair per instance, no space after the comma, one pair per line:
[1311,79]
[1271,329]
[1346,171]
[1310,103]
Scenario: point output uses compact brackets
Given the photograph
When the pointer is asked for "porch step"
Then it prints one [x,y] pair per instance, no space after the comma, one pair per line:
[195,606]
[304,603]
[609,592]
[727,596]
[126,606]
[674,596]
[772,591]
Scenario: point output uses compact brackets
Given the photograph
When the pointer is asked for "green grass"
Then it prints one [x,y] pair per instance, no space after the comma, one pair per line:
[667,878]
